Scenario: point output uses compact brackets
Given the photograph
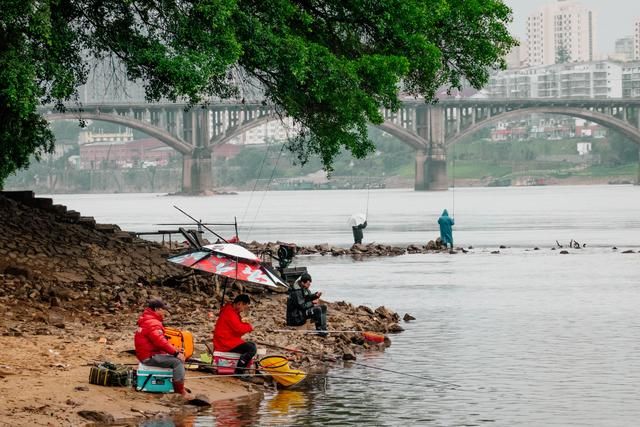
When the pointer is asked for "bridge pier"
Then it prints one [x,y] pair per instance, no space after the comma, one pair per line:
[421,183]
[196,172]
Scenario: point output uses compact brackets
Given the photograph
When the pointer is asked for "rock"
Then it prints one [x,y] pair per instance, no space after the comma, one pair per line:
[97,416]
[395,328]
[348,354]
[199,400]
[563,252]
[81,388]
[56,319]
[628,251]
[18,270]
[495,252]
[503,247]
[407,317]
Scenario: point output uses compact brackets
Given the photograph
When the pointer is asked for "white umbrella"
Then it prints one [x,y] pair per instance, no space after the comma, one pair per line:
[357,219]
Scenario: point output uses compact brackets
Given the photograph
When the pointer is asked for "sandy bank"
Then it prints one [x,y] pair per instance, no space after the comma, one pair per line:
[70,293]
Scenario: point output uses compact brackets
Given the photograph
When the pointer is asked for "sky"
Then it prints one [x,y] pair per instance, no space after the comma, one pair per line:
[614,18]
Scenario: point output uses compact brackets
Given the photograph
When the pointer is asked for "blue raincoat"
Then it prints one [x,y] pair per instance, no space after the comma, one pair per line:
[446,233]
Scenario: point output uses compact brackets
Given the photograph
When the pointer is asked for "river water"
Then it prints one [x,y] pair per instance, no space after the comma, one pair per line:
[529,337]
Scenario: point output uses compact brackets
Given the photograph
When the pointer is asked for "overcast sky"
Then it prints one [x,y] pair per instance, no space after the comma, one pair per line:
[614,18]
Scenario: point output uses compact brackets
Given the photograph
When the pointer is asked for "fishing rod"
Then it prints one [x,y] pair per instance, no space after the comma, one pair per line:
[202,225]
[335,359]
[311,375]
[367,335]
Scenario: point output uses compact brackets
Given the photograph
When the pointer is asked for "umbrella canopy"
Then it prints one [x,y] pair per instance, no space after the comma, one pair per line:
[229,260]
[357,219]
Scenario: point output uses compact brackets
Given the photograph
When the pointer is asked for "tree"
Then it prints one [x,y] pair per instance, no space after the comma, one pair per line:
[562,55]
[328,64]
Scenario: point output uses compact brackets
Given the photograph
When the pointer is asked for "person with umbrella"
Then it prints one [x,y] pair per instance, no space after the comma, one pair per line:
[228,332]
[153,348]
[446,231]
[358,223]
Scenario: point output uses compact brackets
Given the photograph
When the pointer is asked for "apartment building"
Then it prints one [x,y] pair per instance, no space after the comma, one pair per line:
[636,39]
[631,80]
[562,31]
[599,79]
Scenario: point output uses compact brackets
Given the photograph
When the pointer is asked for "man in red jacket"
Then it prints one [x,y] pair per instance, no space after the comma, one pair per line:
[153,348]
[228,332]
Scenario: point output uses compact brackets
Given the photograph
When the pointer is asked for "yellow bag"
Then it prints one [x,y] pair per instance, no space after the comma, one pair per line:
[278,367]
[182,340]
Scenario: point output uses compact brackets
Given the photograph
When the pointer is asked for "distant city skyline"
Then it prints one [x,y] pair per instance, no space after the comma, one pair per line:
[614,19]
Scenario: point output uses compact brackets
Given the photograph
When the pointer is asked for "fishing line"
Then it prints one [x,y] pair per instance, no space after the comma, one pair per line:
[453,182]
[366,215]
[335,359]
[275,166]
[210,376]
[255,184]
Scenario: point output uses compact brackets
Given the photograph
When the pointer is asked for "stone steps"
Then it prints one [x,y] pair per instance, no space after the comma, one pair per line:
[28,198]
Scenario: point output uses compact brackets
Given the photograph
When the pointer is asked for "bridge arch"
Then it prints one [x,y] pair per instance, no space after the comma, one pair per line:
[404,135]
[602,119]
[239,130]
[392,129]
[151,130]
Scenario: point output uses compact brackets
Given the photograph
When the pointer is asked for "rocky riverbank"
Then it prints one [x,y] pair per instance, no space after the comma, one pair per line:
[70,294]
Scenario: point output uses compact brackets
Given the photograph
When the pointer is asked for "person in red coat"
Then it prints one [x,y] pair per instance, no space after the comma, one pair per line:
[153,348]
[228,332]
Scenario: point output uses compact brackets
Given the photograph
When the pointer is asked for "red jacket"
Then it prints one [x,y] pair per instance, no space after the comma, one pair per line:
[229,329]
[149,339]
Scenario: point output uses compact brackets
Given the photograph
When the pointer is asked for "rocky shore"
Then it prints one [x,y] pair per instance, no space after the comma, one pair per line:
[70,293]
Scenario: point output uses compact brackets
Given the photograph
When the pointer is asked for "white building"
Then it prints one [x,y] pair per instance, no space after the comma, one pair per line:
[624,49]
[561,26]
[601,79]
[636,39]
[631,80]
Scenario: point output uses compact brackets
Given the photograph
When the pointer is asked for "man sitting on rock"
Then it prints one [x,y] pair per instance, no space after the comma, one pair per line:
[228,332]
[153,348]
[303,305]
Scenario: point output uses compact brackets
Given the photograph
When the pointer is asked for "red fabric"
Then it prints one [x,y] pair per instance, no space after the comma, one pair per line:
[229,329]
[149,338]
[233,239]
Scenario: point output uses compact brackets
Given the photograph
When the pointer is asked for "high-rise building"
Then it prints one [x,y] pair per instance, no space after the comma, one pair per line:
[623,49]
[560,32]
[636,40]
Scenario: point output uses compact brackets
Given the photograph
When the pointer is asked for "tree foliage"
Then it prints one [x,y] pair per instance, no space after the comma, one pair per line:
[328,64]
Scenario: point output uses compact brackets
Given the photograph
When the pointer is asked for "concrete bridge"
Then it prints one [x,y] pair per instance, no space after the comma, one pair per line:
[429,129]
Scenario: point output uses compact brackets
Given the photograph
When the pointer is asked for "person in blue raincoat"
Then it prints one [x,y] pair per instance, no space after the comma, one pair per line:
[446,232]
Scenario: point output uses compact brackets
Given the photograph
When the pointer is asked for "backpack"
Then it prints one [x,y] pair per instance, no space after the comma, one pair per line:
[110,374]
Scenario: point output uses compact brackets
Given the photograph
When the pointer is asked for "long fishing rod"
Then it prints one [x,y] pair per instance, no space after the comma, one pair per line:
[367,335]
[202,225]
[335,359]
[310,375]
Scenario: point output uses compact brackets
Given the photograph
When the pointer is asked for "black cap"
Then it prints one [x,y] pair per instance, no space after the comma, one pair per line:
[156,303]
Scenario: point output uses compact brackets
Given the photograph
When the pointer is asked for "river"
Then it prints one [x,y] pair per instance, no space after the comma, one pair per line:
[529,337]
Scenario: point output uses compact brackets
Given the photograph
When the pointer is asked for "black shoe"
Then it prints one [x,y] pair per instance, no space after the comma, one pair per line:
[322,334]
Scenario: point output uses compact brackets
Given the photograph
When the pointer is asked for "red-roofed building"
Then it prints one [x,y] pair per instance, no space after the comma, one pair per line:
[127,154]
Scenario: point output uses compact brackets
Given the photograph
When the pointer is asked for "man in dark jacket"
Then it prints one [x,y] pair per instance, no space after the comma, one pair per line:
[302,305]
[153,348]
[228,332]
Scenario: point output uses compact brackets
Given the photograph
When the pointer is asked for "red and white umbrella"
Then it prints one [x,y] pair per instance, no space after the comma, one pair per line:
[229,260]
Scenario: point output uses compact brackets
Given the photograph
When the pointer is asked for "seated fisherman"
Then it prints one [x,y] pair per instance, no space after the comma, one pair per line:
[153,348]
[228,332]
[303,305]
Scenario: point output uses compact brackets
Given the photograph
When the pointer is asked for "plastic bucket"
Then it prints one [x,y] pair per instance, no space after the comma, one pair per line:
[278,367]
